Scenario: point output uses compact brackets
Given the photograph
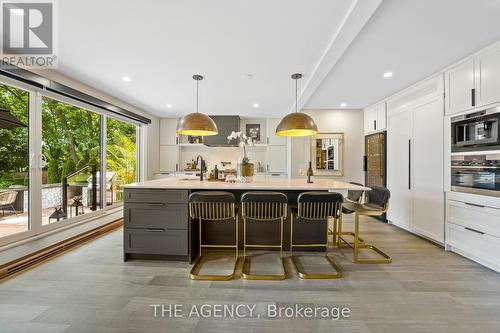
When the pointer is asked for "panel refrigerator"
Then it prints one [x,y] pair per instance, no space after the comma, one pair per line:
[375,161]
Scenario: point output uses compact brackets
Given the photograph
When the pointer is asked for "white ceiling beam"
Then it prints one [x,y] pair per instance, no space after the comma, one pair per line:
[354,20]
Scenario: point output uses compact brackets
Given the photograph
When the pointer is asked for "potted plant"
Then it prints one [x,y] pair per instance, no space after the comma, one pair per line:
[245,167]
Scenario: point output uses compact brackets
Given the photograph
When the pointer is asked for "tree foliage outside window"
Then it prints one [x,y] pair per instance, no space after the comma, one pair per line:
[70,141]
[121,154]
[14,141]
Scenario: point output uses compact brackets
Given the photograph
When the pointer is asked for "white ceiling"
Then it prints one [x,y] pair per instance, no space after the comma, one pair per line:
[411,38]
[161,44]
[338,45]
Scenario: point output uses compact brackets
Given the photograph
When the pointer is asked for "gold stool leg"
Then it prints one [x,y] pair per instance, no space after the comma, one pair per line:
[341,241]
[304,275]
[358,245]
[247,259]
[300,269]
[194,274]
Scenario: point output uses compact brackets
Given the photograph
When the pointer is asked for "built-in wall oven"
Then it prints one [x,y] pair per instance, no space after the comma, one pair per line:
[477,131]
[477,174]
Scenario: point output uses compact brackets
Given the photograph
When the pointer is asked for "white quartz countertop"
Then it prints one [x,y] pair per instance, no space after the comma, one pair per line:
[257,184]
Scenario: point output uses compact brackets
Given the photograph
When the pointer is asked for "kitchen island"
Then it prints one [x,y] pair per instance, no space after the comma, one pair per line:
[156,218]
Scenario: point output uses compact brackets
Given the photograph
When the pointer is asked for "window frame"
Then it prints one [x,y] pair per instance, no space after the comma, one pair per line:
[35,161]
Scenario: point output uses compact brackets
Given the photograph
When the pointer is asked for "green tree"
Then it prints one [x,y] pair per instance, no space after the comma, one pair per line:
[14,141]
[70,140]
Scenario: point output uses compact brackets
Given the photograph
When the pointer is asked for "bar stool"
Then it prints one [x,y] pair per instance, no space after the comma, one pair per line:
[263,209]
[312,213]
[376,204]
[352,196]
[207,206]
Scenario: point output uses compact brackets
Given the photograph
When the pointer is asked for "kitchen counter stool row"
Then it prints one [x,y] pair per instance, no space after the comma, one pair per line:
[309,218]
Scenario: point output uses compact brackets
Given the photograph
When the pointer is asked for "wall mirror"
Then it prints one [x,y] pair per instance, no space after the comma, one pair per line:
[327,154]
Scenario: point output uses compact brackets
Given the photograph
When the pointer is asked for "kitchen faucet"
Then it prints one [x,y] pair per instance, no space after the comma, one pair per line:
[201,165]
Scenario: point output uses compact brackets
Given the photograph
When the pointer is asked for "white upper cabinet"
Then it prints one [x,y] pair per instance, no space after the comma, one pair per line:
[167,131]
[487,76]
[272,138]
[169,159]
[460,87]
[381,117]
[276,159]
[475,82]
[375,118]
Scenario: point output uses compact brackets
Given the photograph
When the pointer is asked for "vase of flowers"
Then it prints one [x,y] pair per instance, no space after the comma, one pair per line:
[245,167]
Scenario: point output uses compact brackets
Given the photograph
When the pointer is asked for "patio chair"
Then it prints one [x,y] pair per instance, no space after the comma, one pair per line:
[7,199]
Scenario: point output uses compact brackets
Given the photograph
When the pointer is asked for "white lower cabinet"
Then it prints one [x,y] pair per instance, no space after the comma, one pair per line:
[473,230]
[474,244]
[163,175]
[474,216]
[276,175]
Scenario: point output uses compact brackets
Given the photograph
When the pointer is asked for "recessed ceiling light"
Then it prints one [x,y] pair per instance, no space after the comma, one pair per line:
[126,79]
[343,105]
[387,74]
[255,105]
[169,106]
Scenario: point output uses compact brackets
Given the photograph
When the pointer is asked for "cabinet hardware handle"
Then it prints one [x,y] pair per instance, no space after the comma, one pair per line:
[155,230]
[268,167]
[374,125]
[268,140]
[409,164]
[473,96]
[474,230]
[155,204]
[473,204]
[275,174]
[176,167]
[365,163]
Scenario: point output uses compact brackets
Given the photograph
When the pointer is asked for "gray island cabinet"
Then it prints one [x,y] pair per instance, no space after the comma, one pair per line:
[156,216]
[156,224]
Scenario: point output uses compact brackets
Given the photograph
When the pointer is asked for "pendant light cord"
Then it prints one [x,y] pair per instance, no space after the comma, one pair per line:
[197,85]
[296,97]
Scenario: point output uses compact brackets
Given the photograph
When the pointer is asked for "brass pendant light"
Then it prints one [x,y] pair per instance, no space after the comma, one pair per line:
[296,123]
[196,124]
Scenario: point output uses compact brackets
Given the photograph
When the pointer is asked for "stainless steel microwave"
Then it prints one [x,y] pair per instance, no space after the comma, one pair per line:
[477,131]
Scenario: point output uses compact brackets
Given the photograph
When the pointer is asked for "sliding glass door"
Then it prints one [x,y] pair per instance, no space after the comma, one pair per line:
[56,154]
[14,160]
[71,151]
[121,158]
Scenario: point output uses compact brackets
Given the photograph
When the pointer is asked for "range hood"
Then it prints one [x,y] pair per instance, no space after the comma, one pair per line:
[225,125]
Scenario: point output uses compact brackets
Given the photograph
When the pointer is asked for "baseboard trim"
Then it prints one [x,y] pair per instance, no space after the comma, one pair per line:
[35,258]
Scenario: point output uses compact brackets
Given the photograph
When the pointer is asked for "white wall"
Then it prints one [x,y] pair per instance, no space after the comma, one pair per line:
[153,130]
[350,122]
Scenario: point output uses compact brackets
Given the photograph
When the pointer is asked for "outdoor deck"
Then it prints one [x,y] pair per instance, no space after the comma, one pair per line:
[10,224]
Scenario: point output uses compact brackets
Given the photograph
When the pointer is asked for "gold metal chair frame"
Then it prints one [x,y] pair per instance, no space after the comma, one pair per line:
[264,212]
[361,210]
[337,232]
[315,211]
[213,211]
